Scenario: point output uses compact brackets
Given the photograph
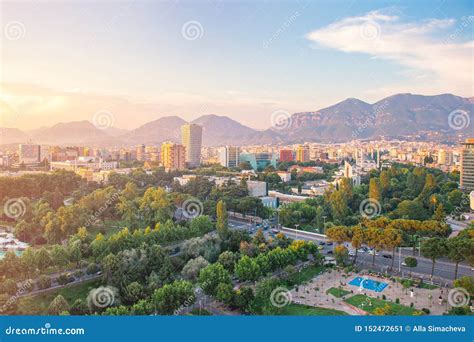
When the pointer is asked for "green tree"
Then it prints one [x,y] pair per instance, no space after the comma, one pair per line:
[459,249]
[222,220]
[411,263]
[171,297]
[58,305]
[433,249]
[374,189]
[357,239]
[211,276]
[225,293]
[392,238]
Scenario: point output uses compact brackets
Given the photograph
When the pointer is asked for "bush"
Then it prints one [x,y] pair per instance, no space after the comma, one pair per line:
[65,278]
[44,282]
[8,286]
[426,311]
[384,297]
[92,268]
[397,300]
[78,273]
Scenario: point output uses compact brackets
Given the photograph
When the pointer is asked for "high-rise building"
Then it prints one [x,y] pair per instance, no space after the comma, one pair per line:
[467,165]
[229,156]
[173,156]
[302,154]
[30,154]
[286,155]
[192,140]
[141,152]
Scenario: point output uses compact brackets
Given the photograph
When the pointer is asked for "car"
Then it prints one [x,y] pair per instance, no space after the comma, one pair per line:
[329,252]
[387,256]
[329,243]
[361,250]
[352,253]
[371,252]
[404,263]
[322,243]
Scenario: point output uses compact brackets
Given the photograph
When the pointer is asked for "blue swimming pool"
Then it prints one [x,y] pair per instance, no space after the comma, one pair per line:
[2,254]
[368,284]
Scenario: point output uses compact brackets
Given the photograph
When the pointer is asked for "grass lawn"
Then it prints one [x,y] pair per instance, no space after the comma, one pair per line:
[361,301]
[338,293]
[39,303]
[306,310]
[110,227]
[427,286]
[306,274]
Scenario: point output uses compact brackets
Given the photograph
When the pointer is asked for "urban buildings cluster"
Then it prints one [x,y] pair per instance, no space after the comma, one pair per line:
[356,157]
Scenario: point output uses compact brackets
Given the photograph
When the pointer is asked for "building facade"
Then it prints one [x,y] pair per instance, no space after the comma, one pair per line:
[29,154]
[467,165]
[286,155]
[302,154]
[173,156]
[229,156]
[191,135]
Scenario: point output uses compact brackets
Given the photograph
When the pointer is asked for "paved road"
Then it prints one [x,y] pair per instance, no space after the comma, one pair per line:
[443,268]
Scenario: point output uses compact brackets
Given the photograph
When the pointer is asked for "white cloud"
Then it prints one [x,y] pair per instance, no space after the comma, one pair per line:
[426,48]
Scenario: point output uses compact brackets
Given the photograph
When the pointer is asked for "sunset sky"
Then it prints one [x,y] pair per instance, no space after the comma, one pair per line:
[141,60]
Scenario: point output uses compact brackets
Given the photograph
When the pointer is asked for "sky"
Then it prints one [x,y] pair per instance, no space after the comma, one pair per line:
[141,60]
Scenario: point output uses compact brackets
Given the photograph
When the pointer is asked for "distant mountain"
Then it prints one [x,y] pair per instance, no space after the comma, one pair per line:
[221,130]
[154,132]
[443,117]
[394,116]
[12,136]
[76,132]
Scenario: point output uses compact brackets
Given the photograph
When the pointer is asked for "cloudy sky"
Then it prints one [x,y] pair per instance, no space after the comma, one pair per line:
[141,60]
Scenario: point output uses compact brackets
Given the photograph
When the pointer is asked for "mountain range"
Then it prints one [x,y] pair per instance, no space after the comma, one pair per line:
[443,117]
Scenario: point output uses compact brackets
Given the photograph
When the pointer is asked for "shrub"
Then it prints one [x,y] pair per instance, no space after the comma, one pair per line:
[92,268]
[44,282]
[65,278]
[397,300]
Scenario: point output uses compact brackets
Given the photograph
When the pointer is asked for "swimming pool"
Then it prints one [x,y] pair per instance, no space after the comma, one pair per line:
[2,253]
[368,284]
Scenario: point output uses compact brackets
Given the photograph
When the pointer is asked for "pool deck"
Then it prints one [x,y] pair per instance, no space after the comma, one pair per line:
[314,293]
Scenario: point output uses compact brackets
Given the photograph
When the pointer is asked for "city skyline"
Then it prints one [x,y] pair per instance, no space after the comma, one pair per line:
[297,58]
